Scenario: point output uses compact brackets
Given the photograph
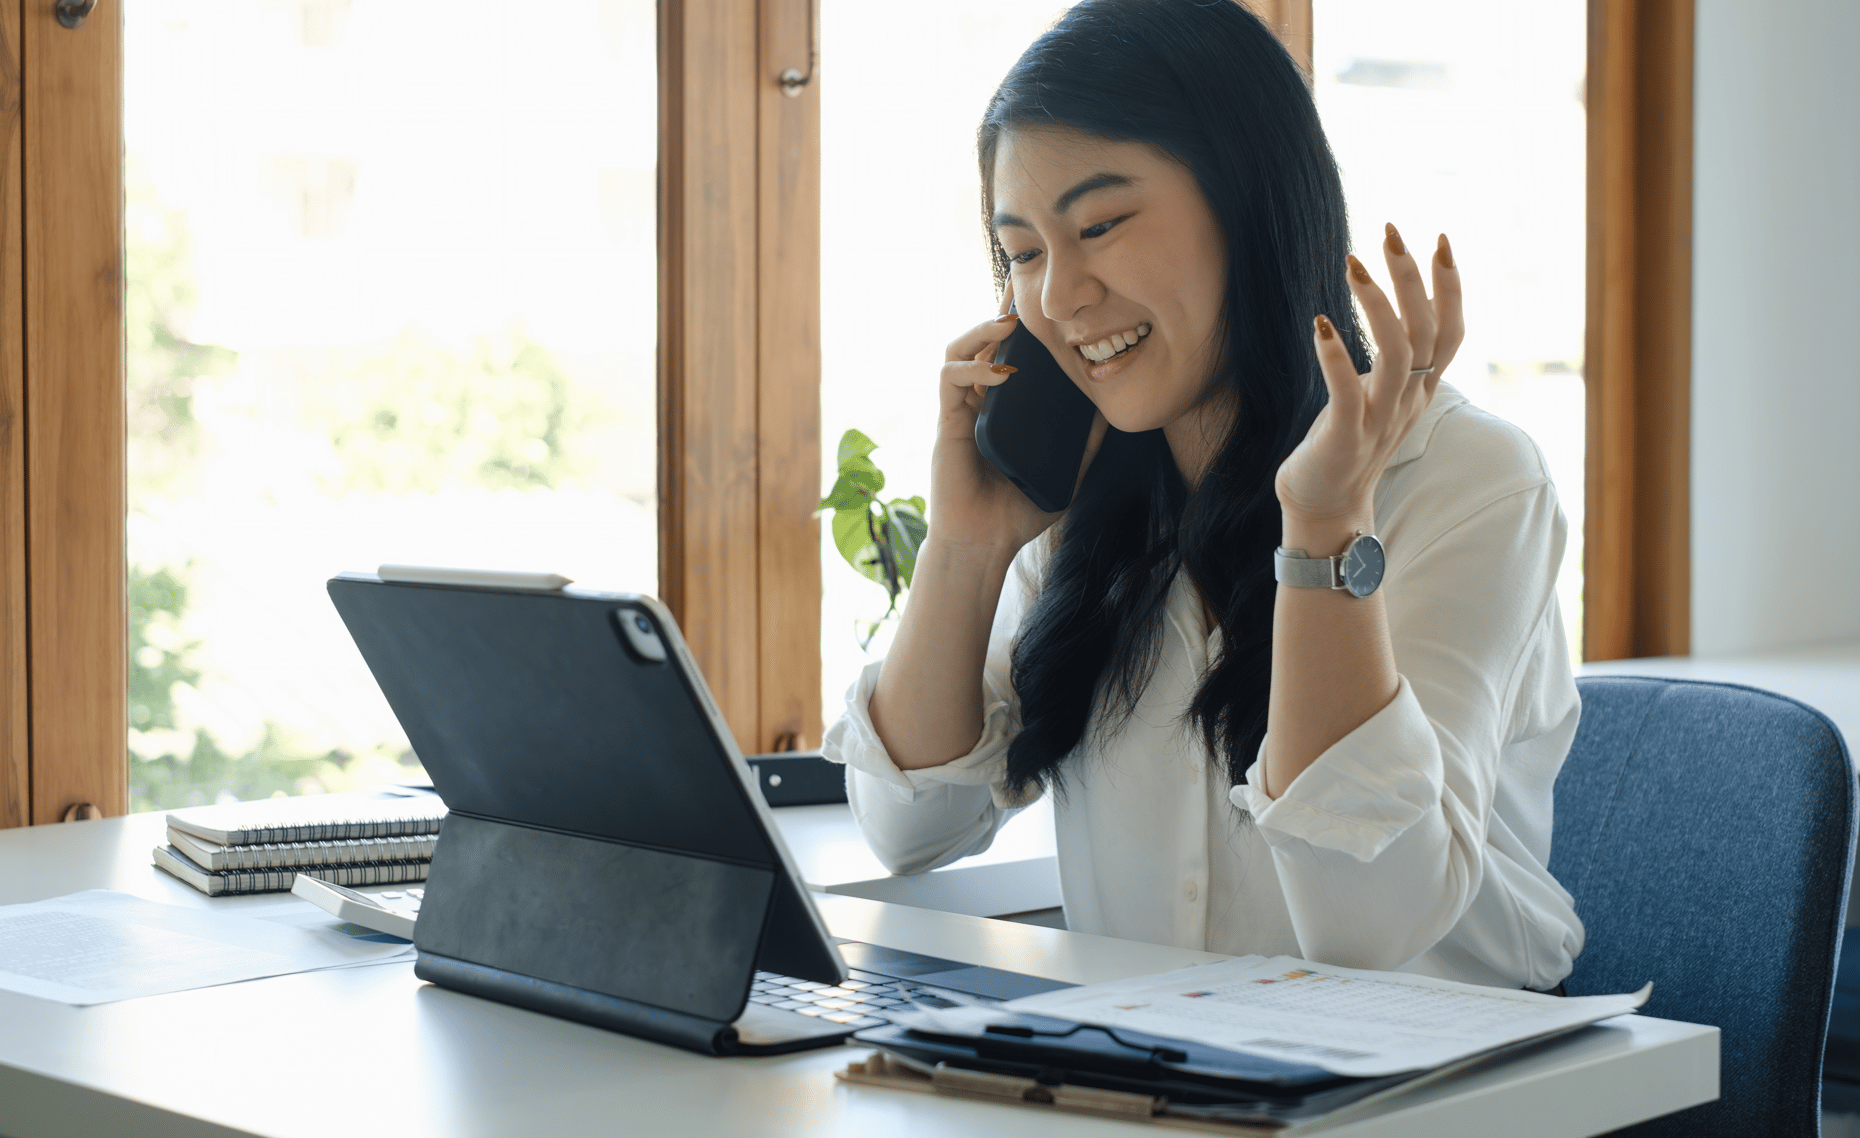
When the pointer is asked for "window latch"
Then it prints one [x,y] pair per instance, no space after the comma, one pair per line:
[71,13]
[792,80]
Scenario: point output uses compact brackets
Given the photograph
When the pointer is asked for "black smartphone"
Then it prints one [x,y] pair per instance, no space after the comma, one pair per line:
[1034,427]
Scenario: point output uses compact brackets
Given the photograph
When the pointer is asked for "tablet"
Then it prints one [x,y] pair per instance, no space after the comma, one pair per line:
[607,855]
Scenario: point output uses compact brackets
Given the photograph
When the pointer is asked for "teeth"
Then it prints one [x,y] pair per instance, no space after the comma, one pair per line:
[1114,345]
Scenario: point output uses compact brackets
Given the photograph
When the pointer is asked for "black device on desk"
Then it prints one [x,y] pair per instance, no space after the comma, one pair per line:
[606,856]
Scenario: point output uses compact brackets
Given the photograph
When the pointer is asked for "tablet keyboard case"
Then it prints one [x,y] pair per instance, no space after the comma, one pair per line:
[580,880]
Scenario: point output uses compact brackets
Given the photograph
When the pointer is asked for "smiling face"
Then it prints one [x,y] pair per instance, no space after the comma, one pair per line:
[1120,269]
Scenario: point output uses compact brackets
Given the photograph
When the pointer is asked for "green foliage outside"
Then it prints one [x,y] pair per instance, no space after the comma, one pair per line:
[163,365]
[419,418]
[414,417]
[193,769]
[879,539]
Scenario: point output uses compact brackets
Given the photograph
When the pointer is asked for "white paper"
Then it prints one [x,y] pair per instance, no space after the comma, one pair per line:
[97,946]
[1345,1020]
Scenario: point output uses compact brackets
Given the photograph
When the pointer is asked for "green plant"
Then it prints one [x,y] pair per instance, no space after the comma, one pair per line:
[879,539]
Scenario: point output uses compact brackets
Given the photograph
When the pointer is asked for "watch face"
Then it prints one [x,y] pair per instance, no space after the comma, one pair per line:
[1363,564]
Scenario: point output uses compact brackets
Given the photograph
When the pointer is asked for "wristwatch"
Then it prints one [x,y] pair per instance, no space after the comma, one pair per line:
[1358,569]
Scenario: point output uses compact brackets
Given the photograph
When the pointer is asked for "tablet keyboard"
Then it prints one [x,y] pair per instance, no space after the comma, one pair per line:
[862,1000]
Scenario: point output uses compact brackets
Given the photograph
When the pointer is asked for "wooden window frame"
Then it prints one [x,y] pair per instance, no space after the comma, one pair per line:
[739,336]
[63,627]
[1637,535]
[739,357]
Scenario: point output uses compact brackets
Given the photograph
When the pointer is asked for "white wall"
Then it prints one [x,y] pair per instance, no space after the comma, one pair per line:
[1776,325]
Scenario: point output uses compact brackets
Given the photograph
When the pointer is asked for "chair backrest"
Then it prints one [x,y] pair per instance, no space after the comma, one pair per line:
[1706,832]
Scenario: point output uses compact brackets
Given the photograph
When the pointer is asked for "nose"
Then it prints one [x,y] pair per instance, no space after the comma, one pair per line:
[1069,287]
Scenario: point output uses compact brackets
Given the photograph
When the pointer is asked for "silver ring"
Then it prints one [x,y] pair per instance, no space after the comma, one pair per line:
[1429,370]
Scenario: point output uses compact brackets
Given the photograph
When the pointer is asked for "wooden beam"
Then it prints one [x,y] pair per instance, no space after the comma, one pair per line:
[788,379]
[1637,530]
[709,503]
[71,161]
[15,737]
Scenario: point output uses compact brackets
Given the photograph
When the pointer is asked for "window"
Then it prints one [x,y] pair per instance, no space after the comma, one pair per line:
[879,367]
[392,303]
[1467,118]
[532,233]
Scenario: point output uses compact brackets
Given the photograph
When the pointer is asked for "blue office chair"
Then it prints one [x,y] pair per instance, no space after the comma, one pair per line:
[1707,832]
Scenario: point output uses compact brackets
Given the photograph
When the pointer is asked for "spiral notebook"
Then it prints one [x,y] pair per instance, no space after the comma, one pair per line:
[217,883]
[295,855]
[314,818]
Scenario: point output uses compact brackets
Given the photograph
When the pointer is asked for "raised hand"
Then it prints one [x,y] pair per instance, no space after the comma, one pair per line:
[1331,476]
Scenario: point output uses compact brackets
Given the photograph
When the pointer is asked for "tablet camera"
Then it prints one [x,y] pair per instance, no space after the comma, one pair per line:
[642,637]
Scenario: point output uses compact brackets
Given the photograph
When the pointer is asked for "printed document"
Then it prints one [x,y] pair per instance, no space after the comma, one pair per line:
[97,946]
[1345,1020]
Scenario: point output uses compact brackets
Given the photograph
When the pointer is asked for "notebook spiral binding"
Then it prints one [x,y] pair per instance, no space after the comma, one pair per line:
[286,855]
[326,831]
[219,883]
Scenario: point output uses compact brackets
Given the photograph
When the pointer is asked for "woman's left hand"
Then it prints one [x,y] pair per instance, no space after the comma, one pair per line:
[1331,476]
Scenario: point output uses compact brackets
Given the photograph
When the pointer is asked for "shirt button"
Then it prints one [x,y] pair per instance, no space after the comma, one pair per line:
[1188,889]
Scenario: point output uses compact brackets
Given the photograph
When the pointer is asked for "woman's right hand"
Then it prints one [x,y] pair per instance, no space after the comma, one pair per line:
[971,502]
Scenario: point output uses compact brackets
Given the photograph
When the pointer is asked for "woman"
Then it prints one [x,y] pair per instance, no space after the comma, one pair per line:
[1239,765]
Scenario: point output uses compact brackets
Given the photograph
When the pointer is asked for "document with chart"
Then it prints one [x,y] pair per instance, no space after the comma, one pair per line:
[1345,1020]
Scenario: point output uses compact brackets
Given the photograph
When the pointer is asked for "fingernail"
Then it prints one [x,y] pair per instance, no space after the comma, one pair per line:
[1395,245]
[1445,253]
[1003,369]
[1356,268]
[1008,319]
[1323,327]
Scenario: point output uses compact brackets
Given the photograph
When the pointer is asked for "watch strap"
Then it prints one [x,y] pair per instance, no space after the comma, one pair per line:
[1292,567]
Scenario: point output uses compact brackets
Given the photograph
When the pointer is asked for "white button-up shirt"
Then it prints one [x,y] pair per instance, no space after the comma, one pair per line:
[1418,842]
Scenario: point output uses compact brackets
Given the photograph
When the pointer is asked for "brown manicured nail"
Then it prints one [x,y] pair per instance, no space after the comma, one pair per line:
[1395,245]
[1003,369]
[1445,253]
[1356,268]
[1323,327]
[1008,319]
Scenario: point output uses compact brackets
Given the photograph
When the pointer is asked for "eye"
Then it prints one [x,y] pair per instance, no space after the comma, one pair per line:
[1103,227]
[1022,257]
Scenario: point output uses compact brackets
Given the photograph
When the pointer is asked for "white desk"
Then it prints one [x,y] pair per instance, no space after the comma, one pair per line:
[1019,873]
[373,1050]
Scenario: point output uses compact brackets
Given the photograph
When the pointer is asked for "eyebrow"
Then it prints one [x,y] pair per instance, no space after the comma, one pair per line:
[1068,199]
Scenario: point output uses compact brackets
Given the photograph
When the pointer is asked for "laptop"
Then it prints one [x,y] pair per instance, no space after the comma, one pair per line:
[607,856]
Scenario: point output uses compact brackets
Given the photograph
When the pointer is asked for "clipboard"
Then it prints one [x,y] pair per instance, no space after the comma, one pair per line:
[1044,1061]
[1271,1107]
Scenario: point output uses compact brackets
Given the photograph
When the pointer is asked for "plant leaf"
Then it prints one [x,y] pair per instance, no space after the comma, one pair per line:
[854,541]
[853,444]
[857,487]
[906,531]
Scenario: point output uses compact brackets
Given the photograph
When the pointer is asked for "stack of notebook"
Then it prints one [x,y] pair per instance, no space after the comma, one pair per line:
[372,838]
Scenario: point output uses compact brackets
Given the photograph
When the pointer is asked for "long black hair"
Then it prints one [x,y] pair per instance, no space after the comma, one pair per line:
[1207,84]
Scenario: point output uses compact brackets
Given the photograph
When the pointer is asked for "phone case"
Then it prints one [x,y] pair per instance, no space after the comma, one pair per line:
[1034,427]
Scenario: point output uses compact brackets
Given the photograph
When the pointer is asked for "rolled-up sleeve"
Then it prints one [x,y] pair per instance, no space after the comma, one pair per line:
[1381,845]
[1355,801]
[917,820]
